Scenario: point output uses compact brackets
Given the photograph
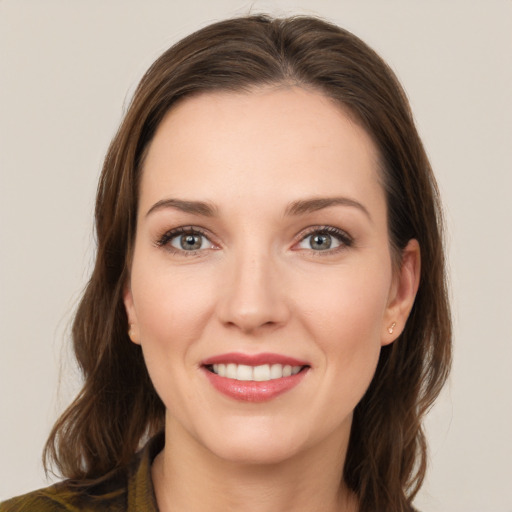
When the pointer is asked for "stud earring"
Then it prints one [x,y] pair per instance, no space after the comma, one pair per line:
[391,328]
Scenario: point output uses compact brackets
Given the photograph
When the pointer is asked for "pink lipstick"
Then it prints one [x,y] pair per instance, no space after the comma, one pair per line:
[254,378]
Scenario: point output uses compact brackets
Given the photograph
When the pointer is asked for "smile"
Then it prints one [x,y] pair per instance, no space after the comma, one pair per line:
[254,378]
[261,373]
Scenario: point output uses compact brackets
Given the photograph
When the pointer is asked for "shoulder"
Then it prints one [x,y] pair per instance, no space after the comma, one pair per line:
[63,498]
[51,499]
[126,489]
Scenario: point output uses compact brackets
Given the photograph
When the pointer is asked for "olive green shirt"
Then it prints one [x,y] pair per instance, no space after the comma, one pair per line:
[129,489]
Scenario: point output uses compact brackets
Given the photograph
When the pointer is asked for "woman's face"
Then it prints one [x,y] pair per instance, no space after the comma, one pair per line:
[261,287]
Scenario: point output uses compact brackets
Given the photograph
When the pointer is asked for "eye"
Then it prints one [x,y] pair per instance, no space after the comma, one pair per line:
[187,240]
[325,239]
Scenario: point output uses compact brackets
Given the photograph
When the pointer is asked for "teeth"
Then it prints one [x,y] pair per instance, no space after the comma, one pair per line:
[276,371]
[260,373]
[230,371]
[244,372]
[296,369]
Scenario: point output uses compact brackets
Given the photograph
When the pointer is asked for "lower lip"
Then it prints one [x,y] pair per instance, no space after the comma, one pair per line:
[254,391]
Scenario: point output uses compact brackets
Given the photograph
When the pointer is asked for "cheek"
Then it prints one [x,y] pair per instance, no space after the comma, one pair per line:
[349,303]
[345,314]
[172,309]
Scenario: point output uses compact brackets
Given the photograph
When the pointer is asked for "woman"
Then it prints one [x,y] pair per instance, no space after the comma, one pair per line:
[268,312]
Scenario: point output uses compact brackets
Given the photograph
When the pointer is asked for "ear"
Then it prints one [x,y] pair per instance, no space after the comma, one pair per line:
[402,293]
[133,326]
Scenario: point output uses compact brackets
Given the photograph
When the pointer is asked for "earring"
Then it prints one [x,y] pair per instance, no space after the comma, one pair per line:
[391,327]
[130,331]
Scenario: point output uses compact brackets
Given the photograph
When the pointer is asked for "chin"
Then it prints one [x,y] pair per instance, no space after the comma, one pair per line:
[262,454]
[256,446]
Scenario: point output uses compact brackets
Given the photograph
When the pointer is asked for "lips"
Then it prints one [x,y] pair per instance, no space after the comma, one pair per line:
[254,378]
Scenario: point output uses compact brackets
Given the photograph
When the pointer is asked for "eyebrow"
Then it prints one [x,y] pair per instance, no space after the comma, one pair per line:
[304,206]
[300,207]
[195,207]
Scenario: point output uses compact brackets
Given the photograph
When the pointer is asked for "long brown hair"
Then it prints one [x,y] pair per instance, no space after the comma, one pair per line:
[118,407]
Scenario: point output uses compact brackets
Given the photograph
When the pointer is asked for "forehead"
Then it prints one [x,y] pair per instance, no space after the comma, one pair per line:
[268,143]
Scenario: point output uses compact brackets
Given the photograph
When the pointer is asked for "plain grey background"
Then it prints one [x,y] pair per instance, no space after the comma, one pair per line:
[67,71]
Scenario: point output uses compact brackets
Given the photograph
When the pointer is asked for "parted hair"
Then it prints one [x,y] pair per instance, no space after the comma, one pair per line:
[118,409]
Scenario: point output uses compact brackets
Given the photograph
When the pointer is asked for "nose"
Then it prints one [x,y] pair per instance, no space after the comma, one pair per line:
[254,295]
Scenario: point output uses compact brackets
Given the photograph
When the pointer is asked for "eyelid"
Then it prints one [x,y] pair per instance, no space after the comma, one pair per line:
[164,239]
[345,239]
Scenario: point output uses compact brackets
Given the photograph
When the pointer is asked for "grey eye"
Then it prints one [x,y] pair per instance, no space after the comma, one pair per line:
[189,242]
[320,241]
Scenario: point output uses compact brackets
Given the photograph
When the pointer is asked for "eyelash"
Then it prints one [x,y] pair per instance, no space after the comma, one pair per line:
[164,240]
[341,236]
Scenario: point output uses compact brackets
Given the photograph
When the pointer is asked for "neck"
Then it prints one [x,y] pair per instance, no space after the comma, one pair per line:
[189,478]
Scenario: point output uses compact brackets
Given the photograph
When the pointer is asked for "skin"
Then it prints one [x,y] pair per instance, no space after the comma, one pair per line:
[258,285]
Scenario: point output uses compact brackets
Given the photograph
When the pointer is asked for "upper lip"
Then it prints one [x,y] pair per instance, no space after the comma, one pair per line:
[253,359]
